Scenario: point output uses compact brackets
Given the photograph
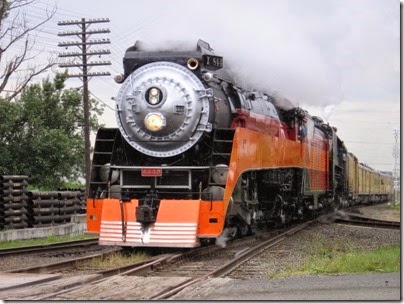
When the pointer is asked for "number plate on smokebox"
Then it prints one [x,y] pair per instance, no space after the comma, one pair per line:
[212,62]
[152,172]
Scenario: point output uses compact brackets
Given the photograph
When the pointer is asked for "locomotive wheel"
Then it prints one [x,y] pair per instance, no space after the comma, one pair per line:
[252,230]
[242,231]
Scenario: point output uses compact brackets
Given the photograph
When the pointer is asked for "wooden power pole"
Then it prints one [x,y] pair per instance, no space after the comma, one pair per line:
[80,60]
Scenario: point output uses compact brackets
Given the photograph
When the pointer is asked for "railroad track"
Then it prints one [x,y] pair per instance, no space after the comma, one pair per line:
[61,255]
[48,247]
[59,266]
[137,268]
[177,264]
[193,266]
[221,269]
[360,220]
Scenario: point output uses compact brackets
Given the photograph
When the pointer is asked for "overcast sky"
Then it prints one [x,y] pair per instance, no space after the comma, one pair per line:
[339,59]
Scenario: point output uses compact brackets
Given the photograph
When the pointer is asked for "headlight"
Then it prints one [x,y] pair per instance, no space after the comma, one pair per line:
[154,96]
[154,121]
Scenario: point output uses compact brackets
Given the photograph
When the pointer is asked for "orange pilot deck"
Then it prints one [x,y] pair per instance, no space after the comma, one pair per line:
[179,223]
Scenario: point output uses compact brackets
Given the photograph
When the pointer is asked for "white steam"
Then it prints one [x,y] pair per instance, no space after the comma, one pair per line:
[224,237]
[303,50]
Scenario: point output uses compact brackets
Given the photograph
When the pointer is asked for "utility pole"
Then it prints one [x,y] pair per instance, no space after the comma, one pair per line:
[83,63]
[396,170]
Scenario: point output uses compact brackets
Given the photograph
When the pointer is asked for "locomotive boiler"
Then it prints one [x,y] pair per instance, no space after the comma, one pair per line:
[196,156]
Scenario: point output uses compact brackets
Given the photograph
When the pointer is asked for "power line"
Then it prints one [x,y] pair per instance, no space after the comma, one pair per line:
[104,103]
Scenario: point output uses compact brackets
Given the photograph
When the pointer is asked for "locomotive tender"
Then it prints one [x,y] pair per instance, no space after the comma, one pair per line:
[195,156]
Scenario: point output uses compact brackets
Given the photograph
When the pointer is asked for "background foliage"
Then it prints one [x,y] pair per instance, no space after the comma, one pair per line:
[41,134]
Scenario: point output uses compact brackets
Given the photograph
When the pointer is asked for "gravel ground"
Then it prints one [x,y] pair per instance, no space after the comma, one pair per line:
[36,259]
[381,212]
[292,253]
[255,283]
[289,254]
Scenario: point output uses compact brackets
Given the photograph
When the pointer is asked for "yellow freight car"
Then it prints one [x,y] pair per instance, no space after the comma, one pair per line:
[353,179]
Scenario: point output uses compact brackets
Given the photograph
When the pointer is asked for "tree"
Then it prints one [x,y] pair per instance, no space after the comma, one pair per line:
[15,28]
[9,135]
[43,135]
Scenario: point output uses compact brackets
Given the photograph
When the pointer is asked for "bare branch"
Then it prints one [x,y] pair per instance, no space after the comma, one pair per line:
[12,67]
[23,84]
[19,29]
[25,31]
[20,3]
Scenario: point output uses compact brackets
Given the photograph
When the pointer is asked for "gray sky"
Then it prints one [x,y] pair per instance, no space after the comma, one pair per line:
[339,59]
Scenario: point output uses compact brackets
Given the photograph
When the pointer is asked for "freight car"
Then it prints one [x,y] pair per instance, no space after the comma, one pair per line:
[367,185]
[196,156]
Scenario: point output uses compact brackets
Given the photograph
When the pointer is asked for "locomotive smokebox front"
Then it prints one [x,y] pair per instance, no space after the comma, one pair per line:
[163,109]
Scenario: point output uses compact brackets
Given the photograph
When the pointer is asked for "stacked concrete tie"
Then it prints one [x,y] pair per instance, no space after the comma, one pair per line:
[13,201]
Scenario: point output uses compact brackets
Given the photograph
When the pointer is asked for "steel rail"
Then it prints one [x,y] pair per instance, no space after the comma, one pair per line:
[232,264]
[369,222]
[47,268]
[47,247]
[121,270]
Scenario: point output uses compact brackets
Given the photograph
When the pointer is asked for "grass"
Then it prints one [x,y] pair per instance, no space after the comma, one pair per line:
[382,259]
[113,260]
[327,257]
[68,185]
[43,241]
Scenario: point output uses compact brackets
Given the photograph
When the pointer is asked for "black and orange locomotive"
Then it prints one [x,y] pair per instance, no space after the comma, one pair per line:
[196,156]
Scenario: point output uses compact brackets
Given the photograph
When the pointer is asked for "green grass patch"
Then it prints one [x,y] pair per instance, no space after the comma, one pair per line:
[330,256]
[68,185]
[74,185]
[44,241]
[113,260]
[382,259]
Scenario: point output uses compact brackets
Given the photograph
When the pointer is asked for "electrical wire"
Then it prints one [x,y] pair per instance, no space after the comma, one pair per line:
[104,103]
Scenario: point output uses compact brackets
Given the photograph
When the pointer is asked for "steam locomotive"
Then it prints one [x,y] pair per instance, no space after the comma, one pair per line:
[195,156]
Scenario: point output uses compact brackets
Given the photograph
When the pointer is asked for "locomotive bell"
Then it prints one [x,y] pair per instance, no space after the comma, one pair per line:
[219,174]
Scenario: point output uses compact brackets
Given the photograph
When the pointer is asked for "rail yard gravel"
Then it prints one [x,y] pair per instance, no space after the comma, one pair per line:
[287,255]
[36,259]
[293,252]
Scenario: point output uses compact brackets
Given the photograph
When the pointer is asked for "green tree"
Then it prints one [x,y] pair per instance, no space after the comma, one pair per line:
[10,128]
[43,135]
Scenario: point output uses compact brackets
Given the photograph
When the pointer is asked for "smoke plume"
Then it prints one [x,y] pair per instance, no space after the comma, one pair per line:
[311,52]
